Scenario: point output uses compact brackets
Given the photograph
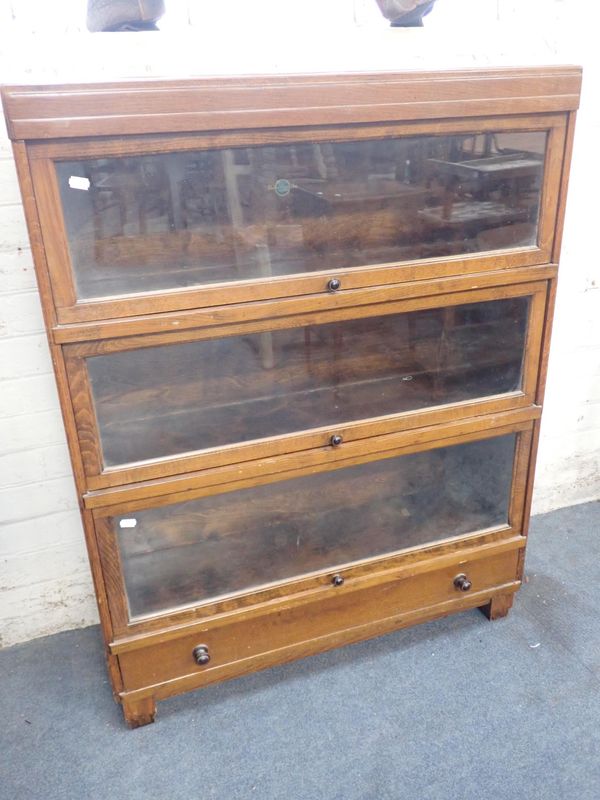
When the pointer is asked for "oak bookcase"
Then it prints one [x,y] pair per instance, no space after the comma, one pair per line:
[300,328]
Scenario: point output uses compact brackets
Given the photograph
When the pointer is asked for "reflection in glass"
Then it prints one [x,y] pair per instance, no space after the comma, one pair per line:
[162,401]
[181,554]
[183,219]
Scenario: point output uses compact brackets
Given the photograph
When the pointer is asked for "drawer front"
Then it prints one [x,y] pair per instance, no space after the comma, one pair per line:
[233,545]
[167,409]
[342,613]
[215,225]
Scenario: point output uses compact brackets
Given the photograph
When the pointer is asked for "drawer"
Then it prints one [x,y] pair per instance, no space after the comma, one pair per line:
[344,613]
[145,411]
[133,233]
[236,546]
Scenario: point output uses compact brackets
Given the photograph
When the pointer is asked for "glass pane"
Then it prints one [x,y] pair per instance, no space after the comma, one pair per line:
[162,401]
[174,220]
[182,554]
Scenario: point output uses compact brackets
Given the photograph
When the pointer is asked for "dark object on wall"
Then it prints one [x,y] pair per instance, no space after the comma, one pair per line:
[405,13]
[124,15]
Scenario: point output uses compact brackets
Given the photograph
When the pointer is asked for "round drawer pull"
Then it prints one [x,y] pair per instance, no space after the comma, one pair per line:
[462,583]
[336,440]
[201,655]
[334,284]
[337,580]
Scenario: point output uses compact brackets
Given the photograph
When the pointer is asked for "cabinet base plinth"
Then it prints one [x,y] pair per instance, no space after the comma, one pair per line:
[498,607]
[139,712]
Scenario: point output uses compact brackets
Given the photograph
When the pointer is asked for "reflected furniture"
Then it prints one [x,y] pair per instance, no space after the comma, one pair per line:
[300,328]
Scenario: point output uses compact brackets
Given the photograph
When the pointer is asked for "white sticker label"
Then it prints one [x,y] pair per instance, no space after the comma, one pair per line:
[127,523]
[76,182]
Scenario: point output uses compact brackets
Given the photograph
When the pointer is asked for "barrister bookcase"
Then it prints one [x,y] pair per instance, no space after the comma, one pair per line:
[300,328]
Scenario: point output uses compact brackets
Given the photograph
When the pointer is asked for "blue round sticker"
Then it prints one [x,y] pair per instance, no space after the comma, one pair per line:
[282,187]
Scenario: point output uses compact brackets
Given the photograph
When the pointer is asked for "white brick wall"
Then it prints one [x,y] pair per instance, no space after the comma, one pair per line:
[44,578]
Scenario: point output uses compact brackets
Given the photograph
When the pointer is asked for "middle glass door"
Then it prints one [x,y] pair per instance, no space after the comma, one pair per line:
[161,402]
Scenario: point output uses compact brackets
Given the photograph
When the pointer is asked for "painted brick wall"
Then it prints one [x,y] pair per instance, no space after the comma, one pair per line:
[44,576]
[45,583]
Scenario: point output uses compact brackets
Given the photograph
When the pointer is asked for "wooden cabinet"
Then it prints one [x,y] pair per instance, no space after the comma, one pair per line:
[300,328]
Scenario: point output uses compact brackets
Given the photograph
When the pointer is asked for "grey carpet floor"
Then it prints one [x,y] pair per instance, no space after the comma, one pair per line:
[457,708]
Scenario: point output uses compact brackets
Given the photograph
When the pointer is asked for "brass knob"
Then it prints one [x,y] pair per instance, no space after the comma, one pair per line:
[334,284]
[201,655]
[336,440]
[462,583]
[337,580]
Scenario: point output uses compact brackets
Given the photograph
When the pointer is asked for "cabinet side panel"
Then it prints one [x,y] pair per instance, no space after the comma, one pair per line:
[33,226]
[564,185]
[541,386]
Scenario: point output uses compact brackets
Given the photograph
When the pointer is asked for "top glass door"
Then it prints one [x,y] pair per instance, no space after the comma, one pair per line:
[191,218]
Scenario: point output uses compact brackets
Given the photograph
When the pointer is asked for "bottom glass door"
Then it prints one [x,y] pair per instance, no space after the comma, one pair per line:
[227,543]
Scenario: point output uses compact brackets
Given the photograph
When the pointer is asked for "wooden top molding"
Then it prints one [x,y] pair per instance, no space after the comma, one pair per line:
[209,104]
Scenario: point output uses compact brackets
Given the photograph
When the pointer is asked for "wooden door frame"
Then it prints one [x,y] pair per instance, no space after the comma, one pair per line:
[519,423]
[98,477]
[70,311]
